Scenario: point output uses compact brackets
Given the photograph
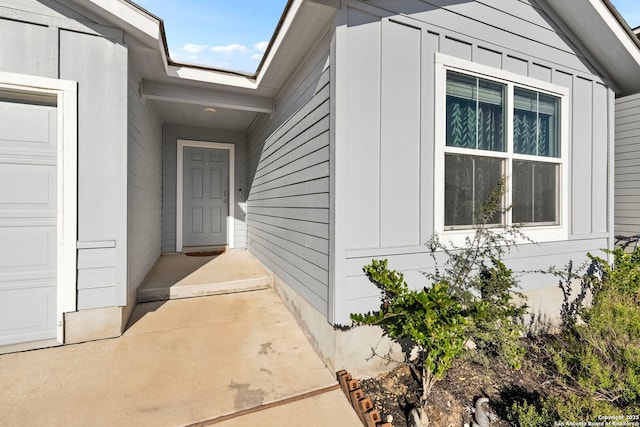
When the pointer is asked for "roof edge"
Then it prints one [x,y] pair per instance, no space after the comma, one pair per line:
[623,23]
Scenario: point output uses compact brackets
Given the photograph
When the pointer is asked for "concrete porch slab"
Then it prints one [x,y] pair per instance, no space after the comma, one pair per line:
[181,362]
[176,276]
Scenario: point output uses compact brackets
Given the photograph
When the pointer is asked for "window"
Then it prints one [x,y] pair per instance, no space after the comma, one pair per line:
[504,126]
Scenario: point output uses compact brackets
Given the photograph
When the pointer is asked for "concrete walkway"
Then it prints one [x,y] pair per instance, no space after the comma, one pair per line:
[225,360]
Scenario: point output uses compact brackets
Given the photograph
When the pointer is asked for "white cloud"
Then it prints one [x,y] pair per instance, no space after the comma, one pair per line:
[256,57]
[194,48]
[230,48]
[261,47]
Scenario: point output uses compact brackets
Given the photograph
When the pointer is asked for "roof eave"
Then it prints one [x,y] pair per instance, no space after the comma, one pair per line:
[609,39]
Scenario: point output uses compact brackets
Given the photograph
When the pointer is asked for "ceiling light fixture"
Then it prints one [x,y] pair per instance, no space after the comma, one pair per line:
[210,110]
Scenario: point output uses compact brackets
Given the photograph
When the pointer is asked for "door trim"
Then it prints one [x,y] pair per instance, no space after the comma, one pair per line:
[179,186]
[65,94]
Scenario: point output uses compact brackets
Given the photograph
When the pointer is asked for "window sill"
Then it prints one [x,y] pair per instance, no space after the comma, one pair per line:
[534,234]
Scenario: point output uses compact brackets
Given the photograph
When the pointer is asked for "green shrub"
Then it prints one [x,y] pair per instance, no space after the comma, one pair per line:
[624,273]
[483,284]
[431,318]
[545,412]
[525,414]
[493,328]
[471,298]
[599,351]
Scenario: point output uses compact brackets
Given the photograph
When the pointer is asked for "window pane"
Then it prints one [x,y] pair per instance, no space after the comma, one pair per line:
[475,117]
[535,124]
[490,119]
[535,195]
[549,118]
[468,182]
[461,111]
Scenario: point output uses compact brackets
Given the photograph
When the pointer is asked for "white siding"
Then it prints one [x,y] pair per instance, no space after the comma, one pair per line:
[288,204]
[627,208]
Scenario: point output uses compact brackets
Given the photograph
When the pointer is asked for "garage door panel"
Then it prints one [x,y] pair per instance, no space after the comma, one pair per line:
[17,130]
[26,314]
[27,249]
[27,187]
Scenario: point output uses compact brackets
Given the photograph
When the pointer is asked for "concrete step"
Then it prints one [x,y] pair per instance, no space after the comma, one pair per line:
[176,276]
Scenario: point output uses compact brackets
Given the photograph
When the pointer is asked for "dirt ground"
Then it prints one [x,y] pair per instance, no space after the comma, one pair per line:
[449,401]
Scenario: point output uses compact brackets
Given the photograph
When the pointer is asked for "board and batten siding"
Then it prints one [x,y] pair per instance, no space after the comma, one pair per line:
[627,170]
[288,204]
[386,126]
[144,182]
[50,40]
[101,74]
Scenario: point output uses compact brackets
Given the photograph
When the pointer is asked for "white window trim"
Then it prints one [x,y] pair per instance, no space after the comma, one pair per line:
[65,93]
[179,190]
[444,63]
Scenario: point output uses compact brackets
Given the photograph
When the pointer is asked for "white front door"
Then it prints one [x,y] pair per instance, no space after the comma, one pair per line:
[28,222]
[205,196]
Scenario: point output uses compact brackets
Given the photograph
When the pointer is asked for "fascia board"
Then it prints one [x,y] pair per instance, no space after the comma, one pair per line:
[292,12]
[131,18]
[598,30]
[617,28]
[210,76]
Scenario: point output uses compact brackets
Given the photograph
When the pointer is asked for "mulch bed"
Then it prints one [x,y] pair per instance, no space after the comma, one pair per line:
[394,393]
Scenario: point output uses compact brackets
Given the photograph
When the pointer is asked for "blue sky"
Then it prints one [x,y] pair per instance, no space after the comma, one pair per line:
[630,10]
[233,34]
[230,34]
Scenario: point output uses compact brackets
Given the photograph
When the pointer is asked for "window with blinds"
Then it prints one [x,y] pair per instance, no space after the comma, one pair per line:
[496,129]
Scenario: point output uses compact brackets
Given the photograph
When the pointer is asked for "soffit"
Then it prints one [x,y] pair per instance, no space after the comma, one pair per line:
[607,37]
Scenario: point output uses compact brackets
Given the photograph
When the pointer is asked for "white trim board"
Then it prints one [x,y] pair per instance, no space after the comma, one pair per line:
[179,186]
[66,96]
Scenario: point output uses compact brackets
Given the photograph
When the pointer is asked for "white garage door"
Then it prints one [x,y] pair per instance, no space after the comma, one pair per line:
[28,222]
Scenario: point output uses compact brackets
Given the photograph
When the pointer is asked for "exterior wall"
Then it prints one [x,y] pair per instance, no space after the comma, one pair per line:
[57,42]
[171,134]
[144,184]
[627,206]
[385,178]
[288,203]
[102,160]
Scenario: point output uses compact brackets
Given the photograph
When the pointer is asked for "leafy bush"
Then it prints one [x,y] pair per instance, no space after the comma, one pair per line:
[483,284]
[546,411]
[471,299]
[536,414]
[493,327]
[599,349]
[431,318]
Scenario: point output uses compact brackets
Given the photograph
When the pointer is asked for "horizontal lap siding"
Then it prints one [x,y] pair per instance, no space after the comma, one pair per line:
[145,187]
[288,204]
[627,165]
